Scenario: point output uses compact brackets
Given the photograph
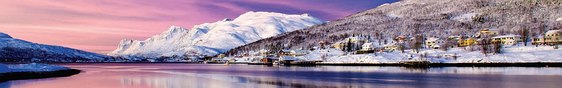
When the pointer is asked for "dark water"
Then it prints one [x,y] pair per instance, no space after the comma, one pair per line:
[247,76]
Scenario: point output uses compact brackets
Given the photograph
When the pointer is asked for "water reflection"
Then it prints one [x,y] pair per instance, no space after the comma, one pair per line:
[244,76]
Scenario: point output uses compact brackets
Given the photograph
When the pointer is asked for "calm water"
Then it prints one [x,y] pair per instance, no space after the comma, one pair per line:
[246,76]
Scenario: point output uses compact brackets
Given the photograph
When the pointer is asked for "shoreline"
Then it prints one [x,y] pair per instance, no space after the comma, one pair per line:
[37,75]
[487,64]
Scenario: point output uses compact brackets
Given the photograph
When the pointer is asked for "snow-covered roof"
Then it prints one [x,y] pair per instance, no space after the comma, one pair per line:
[432,39]
[553,31]
[4,35]
[504,36]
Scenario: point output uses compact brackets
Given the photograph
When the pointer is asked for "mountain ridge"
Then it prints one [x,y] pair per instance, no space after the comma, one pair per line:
[431,18]
[209,39]
[16,50]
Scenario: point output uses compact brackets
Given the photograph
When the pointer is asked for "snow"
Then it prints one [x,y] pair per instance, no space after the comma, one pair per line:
[214,38]
[465,17]
[33,67]
[506,36]
[24,48]
[4,35]
[509,55]
[553,32]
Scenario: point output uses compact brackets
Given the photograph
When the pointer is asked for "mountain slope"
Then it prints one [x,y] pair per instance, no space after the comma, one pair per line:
[214,38]
[432,18]
[16,50]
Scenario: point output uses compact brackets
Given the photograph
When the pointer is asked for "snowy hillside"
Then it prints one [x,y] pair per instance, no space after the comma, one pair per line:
[431,18]
[214,38]
[16,50]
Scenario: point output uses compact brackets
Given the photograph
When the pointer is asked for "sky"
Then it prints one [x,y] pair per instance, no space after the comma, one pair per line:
[99,25]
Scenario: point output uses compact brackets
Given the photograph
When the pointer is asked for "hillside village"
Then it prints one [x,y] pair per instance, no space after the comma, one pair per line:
[487,45]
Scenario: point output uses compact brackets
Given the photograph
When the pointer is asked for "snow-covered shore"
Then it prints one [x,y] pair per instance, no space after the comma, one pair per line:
[513,54]
[32,67]
[33,70]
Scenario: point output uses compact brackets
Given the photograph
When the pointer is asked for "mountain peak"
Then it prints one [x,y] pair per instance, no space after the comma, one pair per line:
[214,38]
[4,35]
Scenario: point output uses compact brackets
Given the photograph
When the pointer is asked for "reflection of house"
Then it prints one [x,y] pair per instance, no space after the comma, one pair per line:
[487,33]
[553,37]
[467,42]
[433,43]
[507,39]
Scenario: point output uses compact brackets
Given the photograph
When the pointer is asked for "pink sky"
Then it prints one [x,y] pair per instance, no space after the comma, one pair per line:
[99,25]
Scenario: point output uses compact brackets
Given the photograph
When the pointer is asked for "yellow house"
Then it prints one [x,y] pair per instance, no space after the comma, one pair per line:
[487,32]
[539,40]
[467,42]
[507,39]
[553,37]
[338,45]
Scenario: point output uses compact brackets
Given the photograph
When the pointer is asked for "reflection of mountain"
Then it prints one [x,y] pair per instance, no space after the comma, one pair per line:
[16,50]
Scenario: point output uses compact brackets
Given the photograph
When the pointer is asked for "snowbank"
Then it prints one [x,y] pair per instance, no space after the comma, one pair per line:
[33,67]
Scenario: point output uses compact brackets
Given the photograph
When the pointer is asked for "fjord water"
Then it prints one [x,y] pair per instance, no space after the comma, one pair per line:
[113,75]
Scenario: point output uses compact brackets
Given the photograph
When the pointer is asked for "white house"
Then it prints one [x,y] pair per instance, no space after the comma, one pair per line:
[368,46]
[433,43]
[507,40]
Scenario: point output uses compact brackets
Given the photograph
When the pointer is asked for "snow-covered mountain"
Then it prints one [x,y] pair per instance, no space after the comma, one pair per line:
[16,50]
[430,18]
[214,38]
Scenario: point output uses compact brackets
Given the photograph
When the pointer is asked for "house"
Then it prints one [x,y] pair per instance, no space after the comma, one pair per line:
[433,43]
[402,39]
[541,40]
[293,52]
[487,33]
[391,47]
[553,37]
[368,46]
[467,42]
[507,40]
[352,40]
[339,45]
[298,52]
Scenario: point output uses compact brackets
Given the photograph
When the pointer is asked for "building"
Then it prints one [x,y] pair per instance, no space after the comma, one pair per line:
[539,40]
[507,40]
[467,42]
[433,43]
[368,46]
[487,33]
[293,52]
[402,39]
[353,40]
[553,37]
[391,47]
